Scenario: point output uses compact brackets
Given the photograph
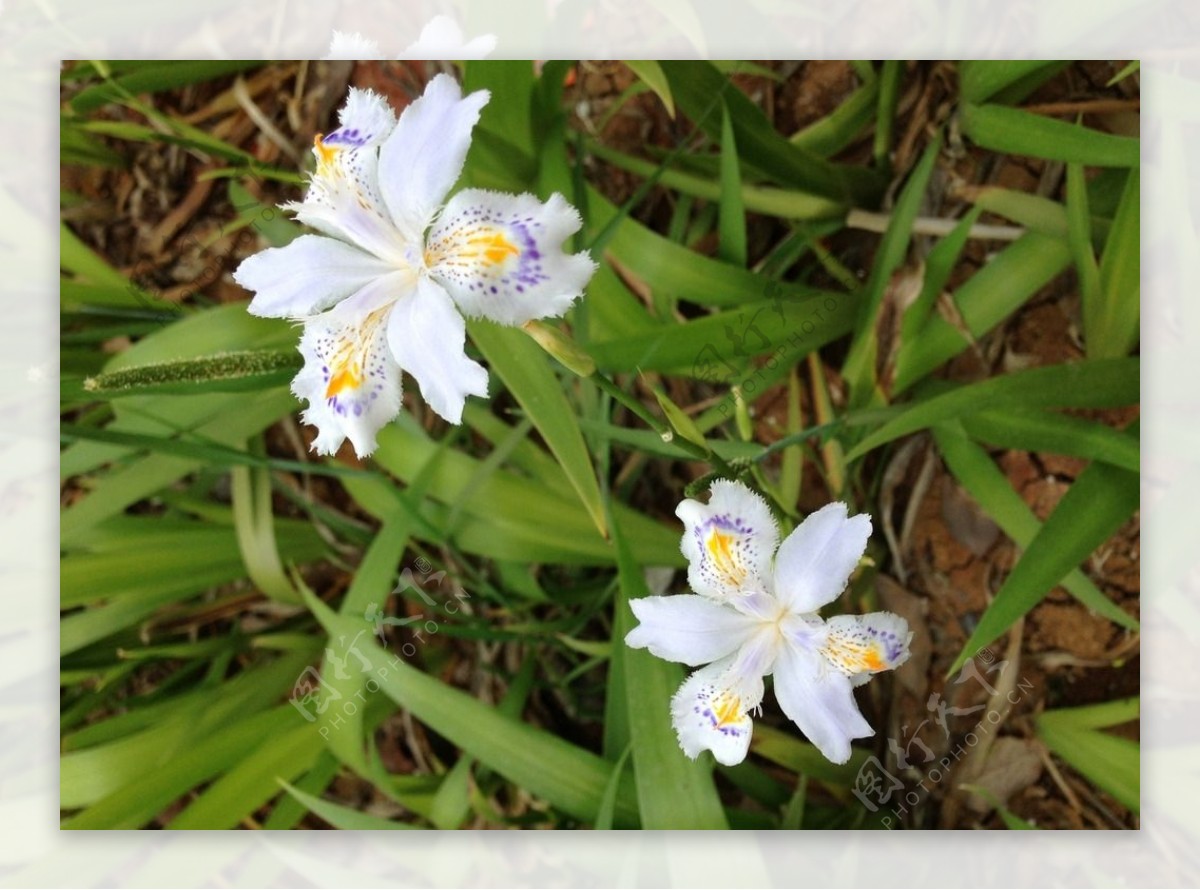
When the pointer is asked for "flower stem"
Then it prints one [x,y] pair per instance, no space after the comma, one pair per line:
[664,431]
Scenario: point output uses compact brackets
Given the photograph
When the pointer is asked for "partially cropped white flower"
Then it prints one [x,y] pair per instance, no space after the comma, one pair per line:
[387,283]
[352,46]
[442,38]
[754,613]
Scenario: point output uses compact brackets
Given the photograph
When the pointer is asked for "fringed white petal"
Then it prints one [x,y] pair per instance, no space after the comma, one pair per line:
[351,47]
[688,628]
[815,561]
[424,155]
[500,256]
[711,711]
[820,700]
[728,542]
[861,646]
[306,276]
[349,378]
[442,38]
[344,198]
[428,339]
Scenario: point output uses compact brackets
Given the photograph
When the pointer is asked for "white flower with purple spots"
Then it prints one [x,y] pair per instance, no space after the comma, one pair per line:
[386,284]
[754,613]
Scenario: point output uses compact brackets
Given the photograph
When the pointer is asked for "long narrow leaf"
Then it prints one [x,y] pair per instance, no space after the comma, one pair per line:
[1013,131]
[732,213]
[673,790]
[1054,433]
[344,817]
[1104,383]
[979,80]
[1095,506]
[532,381]
[860,363]
[990,488]
[1120,275]
[994,292]
[549,767]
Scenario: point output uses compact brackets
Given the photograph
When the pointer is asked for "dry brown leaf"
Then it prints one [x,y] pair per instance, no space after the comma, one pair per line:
[1013,765]
[969,525]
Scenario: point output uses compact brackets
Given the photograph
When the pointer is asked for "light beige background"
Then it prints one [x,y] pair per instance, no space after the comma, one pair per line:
[36,34]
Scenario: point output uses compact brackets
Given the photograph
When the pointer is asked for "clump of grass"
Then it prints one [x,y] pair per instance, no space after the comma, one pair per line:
[225,659]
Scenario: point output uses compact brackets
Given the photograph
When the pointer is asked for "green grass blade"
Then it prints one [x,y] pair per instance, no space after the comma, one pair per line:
[617,735]
[250,491]
[939,265]
[228,372]
[131,582]
[373,583]
[680,422]
[1047,431]
[859,368]
[1098,716]
[509,114]
[1100,383]
[839,128]
[783,203]
[990,488]
[1130,68]
[343,817]
[288,811]
[705,347]
[673,268]
[890,76]
[652,75]
[979,80]
[1120,275]
[786,750]
[530,378]
[126,783]
[732,214]
[1012,131]
[509,513]
[699,89]
[158,77]
[1112,762]
[604,818]
[992,293]
[158,785]
[548,767]
[207,451]
[673,791]
[1036,213]
[139,479]
[77,146]
[224,328]
[452,803]
[81,261]
[253,781]
[1087,270]
[1096,505]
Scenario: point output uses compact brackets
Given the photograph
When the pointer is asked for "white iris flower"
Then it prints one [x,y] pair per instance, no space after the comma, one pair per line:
[387,283]
[754,613]
[441,38]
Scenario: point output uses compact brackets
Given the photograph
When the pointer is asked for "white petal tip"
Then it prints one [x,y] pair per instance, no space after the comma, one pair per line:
[691,512]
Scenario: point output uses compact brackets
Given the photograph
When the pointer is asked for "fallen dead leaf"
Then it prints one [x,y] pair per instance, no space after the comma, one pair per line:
[1012,766]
